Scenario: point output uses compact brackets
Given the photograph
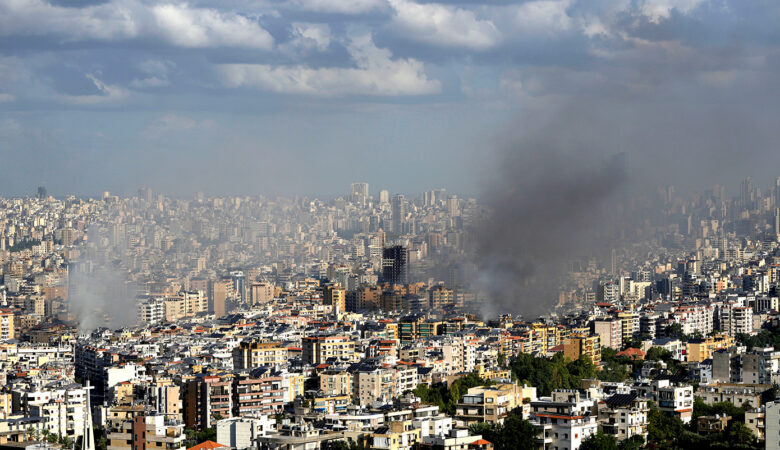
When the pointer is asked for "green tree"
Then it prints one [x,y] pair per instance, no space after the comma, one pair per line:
[633,443]
[736,435]
[662,430]
[599,441]
[208,434]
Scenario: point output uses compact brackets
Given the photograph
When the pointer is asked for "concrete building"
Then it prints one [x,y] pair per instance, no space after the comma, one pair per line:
[241,432]
[609,331]
[489,404]
[252,353]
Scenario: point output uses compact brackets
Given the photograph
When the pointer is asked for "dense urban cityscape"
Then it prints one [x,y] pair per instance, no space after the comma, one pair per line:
[389,224]
[355,322]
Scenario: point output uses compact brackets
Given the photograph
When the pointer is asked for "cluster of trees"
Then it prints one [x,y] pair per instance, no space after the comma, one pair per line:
[194,438]
[446,398]
[24,245]
[558,373]
[601,441]
[548,375]
[669,432]
[514,434]
[768,337]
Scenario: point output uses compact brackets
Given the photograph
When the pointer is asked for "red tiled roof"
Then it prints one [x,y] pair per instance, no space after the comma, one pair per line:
[632,352]
[208,445]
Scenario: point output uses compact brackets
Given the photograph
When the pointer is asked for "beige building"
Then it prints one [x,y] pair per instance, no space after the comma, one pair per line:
[253,354]
[334,295]
[700,349]
[7,324]
[336,383]
[261,293]
[489,403]
[398,435]
[317,349]
[610,332]
[127,428]
[579,344]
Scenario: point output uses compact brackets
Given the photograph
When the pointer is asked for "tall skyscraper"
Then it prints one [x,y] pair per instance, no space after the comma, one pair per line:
[453,207]
[777,191]
[239,284]
[399,213]
[41,192]
[745,193]
[145,194]
[394,264]
[217,297]
[384,197]
[358,193]
[777,220]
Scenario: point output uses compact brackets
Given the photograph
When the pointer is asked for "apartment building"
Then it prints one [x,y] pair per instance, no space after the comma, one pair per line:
[130,428]
[205,398]
[252,353]
[623,416]
[609,332]
[489,404]
[577,345]
[318,349]
[563,420]
[257,396]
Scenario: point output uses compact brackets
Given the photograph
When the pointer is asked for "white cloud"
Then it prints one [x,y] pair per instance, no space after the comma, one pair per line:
[535,17]
[6,98]
[656,10]
[376,74]
[339,6]
[174,23]
[156,72]
[444,25]
[108,94]
[308,37]
[189,27]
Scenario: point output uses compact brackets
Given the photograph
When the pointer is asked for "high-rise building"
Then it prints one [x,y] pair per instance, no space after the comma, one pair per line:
[334,295]
[453,207]
[145,194]
[746,193]
[358,193]
[777,220]
[394,264]
[399,213]
[384,197]
[41,192]
[239,284]
[261,293]
[217,297]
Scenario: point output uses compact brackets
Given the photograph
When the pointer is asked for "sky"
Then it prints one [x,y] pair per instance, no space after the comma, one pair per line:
[307,96]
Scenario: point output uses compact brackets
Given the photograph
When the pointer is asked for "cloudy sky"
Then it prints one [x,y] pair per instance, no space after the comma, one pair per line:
[306,96]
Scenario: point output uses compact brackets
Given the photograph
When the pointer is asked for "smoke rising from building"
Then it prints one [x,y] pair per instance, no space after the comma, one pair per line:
[99,293]
[556,195]
[549,204]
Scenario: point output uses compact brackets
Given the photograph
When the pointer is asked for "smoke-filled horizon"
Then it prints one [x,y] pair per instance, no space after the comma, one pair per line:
[557,196]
